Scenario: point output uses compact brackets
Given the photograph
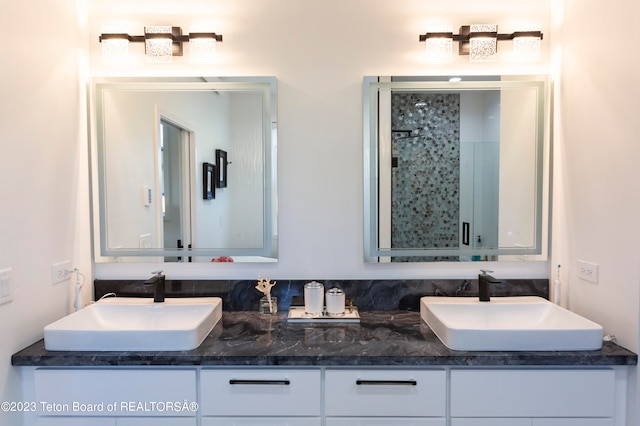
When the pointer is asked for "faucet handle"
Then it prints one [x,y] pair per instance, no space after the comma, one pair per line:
[158,273]
[485,271]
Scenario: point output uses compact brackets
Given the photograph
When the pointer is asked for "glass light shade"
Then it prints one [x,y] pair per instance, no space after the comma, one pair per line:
[527,48]
[483,49]
[439,49]
[202,49]
[115,51]
[158,50]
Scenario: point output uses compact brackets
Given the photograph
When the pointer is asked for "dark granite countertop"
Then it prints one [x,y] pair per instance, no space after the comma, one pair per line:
[382,338]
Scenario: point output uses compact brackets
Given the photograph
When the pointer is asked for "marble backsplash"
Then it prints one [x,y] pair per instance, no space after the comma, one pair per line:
[367,295]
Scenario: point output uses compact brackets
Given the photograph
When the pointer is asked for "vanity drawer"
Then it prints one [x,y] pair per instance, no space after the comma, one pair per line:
[253,392]
[393,393]
[261,421]
[387,421]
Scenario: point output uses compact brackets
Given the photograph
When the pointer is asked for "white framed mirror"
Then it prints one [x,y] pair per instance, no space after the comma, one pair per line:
[455,169]
[184,169]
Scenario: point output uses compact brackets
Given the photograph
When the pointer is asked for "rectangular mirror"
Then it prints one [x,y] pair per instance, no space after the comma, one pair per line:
[184,169]
[455,170]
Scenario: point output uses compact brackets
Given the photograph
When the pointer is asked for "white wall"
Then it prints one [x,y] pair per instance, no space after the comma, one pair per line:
[210,214]
[245,192]
[319,50]
[43,178]
[131,138]
[518,142]
[596,192]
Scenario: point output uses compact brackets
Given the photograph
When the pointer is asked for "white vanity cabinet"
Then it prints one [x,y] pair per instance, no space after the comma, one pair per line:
[329,396]
[261,397]
[533,397]
[385,397]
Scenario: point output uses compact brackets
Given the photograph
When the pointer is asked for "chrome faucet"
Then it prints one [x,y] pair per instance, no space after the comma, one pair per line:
[158,281]
[484,279]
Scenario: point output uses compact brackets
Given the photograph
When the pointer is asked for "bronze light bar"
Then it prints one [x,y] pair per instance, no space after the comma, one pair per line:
[176,36]
[466,35]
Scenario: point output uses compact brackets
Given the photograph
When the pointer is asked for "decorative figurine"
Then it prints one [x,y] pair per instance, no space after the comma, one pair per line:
[268,304]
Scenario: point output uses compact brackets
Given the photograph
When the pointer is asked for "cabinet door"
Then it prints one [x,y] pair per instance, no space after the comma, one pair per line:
[548,393]
[385,393]
[260,421]
[116,392]
[387,421]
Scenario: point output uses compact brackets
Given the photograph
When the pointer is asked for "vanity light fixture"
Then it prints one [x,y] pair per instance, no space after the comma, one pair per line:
[480,42]
[162,43]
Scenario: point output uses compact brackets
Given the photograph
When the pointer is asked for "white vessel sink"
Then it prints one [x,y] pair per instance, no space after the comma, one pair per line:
[135,324]
[527,323]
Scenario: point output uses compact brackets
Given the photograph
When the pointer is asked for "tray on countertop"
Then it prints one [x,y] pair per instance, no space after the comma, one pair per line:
[297,314]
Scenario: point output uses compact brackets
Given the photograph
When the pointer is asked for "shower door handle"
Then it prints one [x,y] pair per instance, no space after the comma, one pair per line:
[465,233]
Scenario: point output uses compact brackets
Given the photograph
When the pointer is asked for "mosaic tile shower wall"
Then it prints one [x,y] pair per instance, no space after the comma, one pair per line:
[425,183]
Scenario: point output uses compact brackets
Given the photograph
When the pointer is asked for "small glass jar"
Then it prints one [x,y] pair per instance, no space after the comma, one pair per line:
[314,299]
[269,305]
[335,301]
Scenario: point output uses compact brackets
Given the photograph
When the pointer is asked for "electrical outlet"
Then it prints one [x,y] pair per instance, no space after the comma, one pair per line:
[60,271]
[588,271]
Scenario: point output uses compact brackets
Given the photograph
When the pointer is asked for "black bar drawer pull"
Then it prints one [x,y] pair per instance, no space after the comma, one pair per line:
[387,382]
[259,382]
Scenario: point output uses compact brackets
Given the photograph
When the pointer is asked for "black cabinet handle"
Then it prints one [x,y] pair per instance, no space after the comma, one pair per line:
[387,382]
[465,233]
[259,382]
